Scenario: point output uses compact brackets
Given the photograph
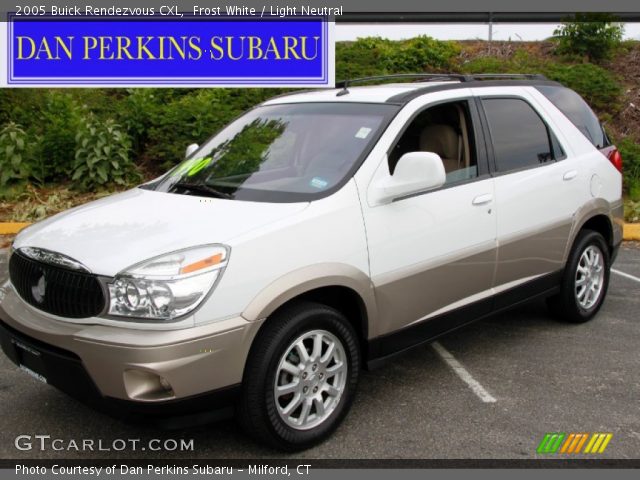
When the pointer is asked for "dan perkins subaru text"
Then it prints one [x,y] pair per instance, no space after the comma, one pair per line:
[147,47]
[157,470]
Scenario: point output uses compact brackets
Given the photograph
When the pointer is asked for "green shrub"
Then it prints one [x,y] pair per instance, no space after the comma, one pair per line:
[597,85]
[630,152]
[22,106]
[633,188]
[423,54]
[13,154]
[189,119]
[632,211]
[377,56]
[136,112]
[488,65]
[60,119]
[520,62]
[102,154]
[5,106]
[592,35]
[194,118]
[51,119]
[363,58]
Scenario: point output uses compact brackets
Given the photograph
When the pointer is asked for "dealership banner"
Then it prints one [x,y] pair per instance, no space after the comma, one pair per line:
[129,51]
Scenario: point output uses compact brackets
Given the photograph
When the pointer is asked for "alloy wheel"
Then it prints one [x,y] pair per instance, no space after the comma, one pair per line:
[310,380]
[589,279]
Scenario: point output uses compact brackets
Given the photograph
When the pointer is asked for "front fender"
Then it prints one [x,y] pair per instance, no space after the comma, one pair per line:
[309,278]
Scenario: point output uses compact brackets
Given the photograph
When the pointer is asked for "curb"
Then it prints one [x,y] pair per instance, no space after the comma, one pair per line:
[11,228]
[631,231]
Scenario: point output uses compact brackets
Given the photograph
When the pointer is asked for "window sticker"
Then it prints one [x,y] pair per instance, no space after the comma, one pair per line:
[199,165]
[363,132]
[317,182]
[185,166]
[193,166]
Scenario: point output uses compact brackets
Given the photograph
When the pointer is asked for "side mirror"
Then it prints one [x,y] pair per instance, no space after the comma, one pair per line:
[190,149]
[415,172]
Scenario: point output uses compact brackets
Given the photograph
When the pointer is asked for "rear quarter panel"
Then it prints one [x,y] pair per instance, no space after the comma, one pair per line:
[602,181]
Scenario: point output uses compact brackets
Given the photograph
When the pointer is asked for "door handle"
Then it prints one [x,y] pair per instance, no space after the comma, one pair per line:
[570,175]
[483,199]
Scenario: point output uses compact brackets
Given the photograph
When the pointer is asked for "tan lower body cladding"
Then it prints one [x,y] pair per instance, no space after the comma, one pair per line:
[418,293]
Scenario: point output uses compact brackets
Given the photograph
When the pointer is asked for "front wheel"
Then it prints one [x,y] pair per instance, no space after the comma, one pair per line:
[585,279]
[300,377]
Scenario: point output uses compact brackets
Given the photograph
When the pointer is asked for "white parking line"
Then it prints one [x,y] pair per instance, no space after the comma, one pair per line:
[626,275]
[462,372]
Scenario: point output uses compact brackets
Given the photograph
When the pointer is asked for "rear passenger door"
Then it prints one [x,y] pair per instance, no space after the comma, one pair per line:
[536,186]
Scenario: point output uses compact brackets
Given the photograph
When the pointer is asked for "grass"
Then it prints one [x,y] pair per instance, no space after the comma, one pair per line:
[35,204]
[631,211]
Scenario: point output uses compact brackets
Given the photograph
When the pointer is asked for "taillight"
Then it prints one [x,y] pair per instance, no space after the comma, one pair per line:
[614,156]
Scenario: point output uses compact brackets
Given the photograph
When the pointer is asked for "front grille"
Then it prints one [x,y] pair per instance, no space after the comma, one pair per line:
[56,290]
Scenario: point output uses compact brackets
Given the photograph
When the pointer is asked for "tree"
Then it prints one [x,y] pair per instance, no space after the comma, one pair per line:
[592,35]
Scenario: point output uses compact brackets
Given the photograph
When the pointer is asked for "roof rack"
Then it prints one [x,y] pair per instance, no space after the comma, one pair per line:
[505,76]
[344,84]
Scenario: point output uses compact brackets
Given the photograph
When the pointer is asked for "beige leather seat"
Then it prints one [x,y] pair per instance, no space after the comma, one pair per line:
[443,140]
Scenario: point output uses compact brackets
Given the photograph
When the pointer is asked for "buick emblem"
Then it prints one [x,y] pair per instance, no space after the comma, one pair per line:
[39,289]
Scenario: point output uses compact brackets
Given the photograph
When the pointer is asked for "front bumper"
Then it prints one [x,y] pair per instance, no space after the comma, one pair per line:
[113,369]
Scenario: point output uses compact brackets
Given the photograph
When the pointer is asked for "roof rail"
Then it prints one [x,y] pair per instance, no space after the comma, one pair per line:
[344,84]
[505,76]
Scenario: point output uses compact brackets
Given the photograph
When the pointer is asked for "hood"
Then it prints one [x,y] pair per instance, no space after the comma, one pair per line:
[114,233]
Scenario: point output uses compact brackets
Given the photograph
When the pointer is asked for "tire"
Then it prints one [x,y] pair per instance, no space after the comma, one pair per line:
[263,414]
[572,304]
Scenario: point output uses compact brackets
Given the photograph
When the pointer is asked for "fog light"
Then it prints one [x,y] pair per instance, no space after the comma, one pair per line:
[144,385]
[165,384]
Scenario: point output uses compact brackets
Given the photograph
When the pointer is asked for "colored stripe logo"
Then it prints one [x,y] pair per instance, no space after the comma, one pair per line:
[573,443]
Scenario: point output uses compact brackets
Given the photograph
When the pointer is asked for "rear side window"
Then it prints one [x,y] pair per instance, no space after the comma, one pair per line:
[578,111]
[520,138]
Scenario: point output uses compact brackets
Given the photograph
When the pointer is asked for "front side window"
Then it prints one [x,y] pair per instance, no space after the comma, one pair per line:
[282,153]
[445,129]
[519,136]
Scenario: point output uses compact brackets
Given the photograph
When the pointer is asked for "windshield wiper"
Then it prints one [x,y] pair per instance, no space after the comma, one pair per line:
[202,188]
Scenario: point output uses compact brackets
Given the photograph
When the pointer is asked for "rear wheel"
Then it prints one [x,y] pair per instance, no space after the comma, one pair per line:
[585,279]
[301,377]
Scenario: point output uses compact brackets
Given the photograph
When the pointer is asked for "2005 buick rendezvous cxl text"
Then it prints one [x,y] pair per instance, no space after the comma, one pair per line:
[318,234]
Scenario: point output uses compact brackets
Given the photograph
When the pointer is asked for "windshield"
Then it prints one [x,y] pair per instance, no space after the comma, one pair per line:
[282,153]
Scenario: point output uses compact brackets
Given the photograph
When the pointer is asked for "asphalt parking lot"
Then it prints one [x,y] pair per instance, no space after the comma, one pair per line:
[544,376]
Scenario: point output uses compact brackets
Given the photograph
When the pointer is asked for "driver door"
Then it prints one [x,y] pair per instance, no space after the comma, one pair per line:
[433,254]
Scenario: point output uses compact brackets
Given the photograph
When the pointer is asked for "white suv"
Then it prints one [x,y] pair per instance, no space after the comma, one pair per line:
[319,233]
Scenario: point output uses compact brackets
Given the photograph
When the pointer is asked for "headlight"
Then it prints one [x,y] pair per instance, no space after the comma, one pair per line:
[168,286]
